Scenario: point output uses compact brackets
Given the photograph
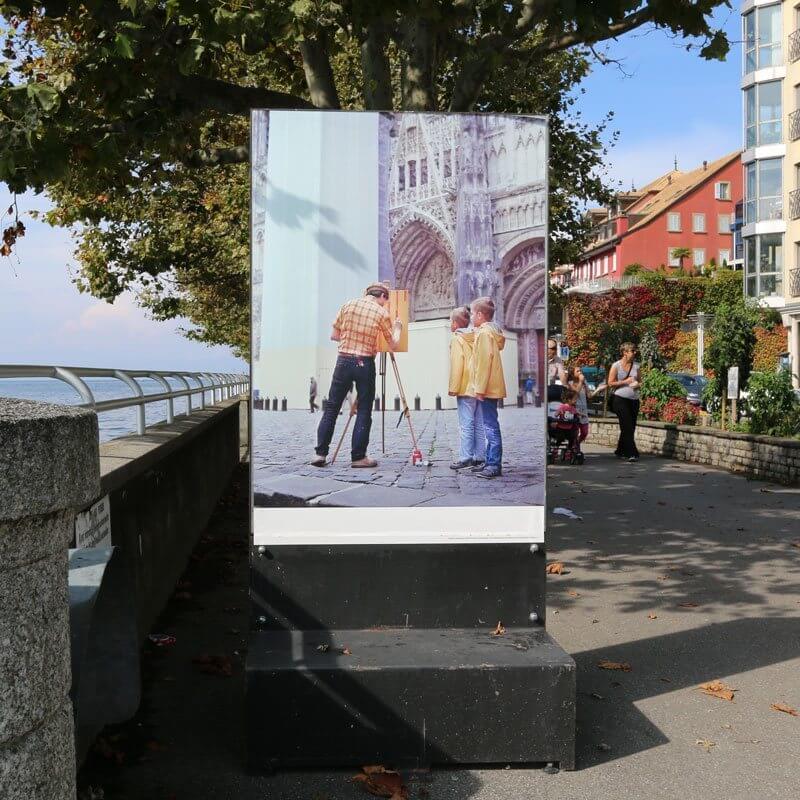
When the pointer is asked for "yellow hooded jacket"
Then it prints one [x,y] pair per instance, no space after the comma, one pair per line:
[487,369]
[461,345]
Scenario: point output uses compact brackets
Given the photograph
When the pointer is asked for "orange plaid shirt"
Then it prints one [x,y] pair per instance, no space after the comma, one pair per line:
[359,322]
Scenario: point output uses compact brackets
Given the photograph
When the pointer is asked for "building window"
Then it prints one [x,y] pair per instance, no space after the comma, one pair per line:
[423,170]
[724,257]
[674,222]
[722,190]
[698,256]
[762,38]
[763,190]
[401,177]
[412,174]
[698,223]
[763,265]
[672,259]
[762,103]
[723,223]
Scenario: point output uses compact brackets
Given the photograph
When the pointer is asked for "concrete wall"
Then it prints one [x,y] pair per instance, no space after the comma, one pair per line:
[763,457]
[163,488]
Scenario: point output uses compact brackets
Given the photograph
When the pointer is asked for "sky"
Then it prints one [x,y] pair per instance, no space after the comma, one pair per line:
[668,103]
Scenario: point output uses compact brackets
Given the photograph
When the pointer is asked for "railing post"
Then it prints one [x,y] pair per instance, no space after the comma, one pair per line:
[137,391]
[50,466]
[167,388]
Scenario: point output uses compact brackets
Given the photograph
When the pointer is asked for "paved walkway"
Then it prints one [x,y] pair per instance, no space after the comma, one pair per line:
[283,446]
[687,573]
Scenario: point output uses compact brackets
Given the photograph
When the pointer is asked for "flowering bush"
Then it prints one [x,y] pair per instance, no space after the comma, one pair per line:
[650,408]
[769,345]
[679,412]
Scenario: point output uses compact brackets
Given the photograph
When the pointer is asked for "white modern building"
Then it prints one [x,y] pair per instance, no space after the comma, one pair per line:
[771,160]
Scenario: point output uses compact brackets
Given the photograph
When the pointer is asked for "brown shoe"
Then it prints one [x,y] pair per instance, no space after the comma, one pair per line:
[319,461]
[364,463]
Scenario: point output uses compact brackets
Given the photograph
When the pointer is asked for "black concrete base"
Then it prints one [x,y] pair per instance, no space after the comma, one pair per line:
[409,697]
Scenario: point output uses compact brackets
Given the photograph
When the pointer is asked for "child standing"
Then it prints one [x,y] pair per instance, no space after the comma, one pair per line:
[576,380]
[470,416]
[488,382]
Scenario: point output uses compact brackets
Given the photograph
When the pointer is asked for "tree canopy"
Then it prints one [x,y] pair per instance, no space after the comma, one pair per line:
[133,114]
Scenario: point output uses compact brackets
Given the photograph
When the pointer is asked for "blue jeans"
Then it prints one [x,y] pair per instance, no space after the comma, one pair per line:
[470,426]
[494,439]
[349,370]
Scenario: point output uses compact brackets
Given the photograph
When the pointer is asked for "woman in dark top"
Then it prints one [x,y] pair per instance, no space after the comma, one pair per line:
[624,379]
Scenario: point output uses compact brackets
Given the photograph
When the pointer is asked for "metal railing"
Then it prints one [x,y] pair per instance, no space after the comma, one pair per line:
[794,125]
[794,46]
[794,283]
[794,204]
[222,386]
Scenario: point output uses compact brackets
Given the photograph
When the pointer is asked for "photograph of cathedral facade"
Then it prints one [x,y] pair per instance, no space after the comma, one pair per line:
[463,205]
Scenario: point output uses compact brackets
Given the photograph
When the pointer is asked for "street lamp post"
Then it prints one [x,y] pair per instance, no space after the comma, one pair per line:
[700,320]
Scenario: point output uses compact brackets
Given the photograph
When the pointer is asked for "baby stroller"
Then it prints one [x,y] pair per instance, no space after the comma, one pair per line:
[563,430]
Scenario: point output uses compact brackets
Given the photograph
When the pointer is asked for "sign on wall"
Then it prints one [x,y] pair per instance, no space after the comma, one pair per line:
[93,526]
[430,229]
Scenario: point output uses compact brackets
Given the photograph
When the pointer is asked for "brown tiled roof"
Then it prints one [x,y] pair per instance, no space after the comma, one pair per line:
[664,194]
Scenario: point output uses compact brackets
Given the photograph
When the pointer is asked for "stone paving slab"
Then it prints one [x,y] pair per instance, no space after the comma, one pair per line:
[373,497]
[296,486]
[283,444]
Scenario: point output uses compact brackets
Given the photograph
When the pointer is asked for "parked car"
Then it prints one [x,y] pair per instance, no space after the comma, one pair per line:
[694,385]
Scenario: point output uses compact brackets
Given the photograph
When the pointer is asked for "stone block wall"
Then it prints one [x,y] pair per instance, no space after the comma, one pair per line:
[763,457]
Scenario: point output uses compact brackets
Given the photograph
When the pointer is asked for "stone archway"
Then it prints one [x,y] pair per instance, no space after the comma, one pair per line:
[423,264]
[524,275]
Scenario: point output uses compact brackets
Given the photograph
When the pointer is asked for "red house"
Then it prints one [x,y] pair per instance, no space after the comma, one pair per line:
[680,211]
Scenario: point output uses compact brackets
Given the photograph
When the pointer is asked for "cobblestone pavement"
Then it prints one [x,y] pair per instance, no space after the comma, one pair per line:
[283,445]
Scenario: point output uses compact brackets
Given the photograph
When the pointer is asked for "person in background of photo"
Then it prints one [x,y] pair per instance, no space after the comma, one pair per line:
[488,382]
[624,380]
[528,388]
[555,366]
[356,329]
[576,381]
[470,416]
[312,394]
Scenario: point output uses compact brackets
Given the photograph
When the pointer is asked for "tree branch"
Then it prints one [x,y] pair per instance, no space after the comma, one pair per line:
[420,45]
[318,71]
[214,156]
[210,94]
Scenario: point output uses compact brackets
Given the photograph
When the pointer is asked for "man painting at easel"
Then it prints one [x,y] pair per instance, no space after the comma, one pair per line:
[356,329]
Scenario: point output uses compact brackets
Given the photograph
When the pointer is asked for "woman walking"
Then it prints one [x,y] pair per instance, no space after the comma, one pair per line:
[624,379]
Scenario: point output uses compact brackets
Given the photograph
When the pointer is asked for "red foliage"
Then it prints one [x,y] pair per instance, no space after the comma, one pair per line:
[650,408]
[680,412]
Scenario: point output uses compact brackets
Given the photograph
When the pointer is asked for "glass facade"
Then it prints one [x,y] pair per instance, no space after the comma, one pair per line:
[763,108]
[762,38]
[763,265]
[763,190]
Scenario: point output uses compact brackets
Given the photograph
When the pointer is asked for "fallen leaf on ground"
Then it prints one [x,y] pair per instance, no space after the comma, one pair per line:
[499,630]
[717,689]
[345,651]
[706,744]
[323,648]
[573,594]
[786,709]
[666,680]
[604,747]
[382,782]
[688,605]
[624,666]
[662,577]
[597,696]
[555,568]
[652,616]
[796,544]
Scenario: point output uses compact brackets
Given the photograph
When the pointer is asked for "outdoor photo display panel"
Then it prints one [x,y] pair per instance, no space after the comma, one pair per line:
[446,213]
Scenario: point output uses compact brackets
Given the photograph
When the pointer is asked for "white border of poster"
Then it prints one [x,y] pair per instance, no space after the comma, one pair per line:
[330,526]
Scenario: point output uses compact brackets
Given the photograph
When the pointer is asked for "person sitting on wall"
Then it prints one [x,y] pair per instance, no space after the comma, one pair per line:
[356,329]
[488,382]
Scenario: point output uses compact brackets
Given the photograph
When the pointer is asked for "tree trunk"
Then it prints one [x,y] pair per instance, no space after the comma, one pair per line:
[418,84]
[376,70]
[318,71]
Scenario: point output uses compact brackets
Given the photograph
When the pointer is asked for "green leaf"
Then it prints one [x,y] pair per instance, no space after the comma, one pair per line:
[122,44]
[129,4]
[45,95]
[189,57]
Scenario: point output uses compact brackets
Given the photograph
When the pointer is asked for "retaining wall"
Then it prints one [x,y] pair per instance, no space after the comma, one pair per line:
[163,488]
[764,457]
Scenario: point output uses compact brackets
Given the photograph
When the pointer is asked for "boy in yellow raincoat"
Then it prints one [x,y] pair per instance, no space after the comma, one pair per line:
[488,381]
[470,417]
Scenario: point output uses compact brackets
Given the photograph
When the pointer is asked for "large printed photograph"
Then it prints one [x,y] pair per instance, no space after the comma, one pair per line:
[398,291]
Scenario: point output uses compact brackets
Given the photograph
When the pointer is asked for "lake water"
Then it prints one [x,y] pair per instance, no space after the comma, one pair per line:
[119,422]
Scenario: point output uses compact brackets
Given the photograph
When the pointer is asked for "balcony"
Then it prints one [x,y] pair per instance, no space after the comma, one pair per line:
[765,208]
[794,283]
[794,46]
[794,125]
[794,204]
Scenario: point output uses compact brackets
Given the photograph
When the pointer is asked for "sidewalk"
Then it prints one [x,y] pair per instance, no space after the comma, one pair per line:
[709,554]
[283,445]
